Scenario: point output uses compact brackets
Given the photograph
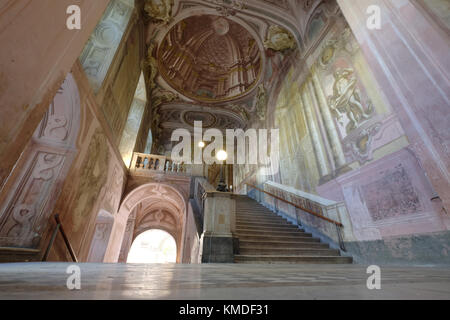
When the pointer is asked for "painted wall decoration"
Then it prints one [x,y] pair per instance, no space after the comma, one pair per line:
[92,178]
[392,195]
[119,93]
[331,115]
[41,170]
[99,52]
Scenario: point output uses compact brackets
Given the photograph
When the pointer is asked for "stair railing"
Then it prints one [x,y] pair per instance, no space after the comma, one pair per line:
[60,228]
[337,224]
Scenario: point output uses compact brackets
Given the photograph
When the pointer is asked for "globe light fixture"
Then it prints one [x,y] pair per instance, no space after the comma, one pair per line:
[222,156]
[201,144]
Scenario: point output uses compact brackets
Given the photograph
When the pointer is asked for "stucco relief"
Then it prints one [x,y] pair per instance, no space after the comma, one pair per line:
[279,39]
[103,43]
[392,195]
[42,166]
[159,10]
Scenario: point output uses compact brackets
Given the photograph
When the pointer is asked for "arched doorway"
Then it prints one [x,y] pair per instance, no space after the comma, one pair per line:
[153,246]
[36,180]
[150,206]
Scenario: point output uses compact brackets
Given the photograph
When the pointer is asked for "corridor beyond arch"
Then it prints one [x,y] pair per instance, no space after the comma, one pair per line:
[153,246]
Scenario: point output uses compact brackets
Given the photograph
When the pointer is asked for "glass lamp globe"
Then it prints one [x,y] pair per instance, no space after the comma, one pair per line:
[221,155]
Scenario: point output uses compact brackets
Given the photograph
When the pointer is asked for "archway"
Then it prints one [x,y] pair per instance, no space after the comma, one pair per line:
[41,169]
[153,246]
[150,206]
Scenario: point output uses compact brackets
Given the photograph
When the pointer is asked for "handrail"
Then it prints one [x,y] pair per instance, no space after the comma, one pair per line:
[60,228]
[297,206]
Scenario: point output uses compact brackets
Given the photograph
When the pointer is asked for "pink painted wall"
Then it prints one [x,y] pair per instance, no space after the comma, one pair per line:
[37,53]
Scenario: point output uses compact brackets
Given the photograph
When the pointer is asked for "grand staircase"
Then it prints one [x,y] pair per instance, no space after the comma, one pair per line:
[265,237]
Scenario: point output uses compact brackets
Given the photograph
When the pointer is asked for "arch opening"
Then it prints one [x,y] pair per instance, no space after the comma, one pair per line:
[153,246]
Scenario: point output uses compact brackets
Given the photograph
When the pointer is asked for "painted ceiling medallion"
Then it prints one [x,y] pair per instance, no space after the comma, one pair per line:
[210,59]
[208,119]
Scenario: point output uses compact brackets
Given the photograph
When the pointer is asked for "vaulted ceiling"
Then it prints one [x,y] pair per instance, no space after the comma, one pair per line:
[216,60]
[210,58]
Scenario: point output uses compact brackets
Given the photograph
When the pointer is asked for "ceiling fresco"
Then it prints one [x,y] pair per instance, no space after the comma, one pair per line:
[218,61]
[210,58]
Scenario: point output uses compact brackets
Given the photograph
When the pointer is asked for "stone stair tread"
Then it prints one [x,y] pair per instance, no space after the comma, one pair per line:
[289,252]
[262,223]
[278,242]
[279,232]
[280,256]
[282,237]
[292,259]
[266,237]
[272,235]
[294,228]
[19,250]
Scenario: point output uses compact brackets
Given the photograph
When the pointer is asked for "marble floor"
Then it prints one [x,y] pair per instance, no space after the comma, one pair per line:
[220,282]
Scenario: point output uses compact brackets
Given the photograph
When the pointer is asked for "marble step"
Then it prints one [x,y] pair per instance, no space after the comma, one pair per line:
[274,259]
[262,221]
[253,209]
[262,215]
[263,225]
[257,214]
[274,244]
[268,214]
[288,251]
[271,232]
[269,238]
[275,228]
[12,254]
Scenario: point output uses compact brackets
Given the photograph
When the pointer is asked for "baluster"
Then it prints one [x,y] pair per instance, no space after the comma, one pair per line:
[138,162]
[157,165]
[145,163]
[166,166]
[150,164]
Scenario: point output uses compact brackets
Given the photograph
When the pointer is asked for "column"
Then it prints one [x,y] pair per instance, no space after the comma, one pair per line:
[335,142]
[317,144]
[322,130]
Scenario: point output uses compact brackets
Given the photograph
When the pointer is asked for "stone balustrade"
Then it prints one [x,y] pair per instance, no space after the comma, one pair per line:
[142,163]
